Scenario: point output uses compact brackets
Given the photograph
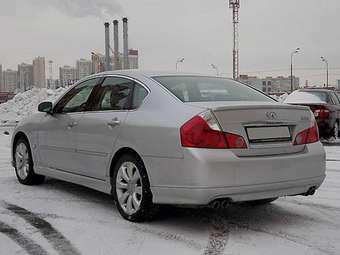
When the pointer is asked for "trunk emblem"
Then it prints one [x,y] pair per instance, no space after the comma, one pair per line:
[271,115]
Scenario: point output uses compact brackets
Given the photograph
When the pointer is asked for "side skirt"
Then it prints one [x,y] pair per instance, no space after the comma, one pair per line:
[100,185]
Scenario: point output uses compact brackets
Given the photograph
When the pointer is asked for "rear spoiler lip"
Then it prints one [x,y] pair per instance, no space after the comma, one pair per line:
[268,107]
[309,104]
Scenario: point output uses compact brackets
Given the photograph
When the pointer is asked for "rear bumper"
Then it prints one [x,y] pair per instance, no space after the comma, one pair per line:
[200,196]
[205,175]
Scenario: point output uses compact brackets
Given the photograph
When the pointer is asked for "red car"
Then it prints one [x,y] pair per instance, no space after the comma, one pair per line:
[325,104]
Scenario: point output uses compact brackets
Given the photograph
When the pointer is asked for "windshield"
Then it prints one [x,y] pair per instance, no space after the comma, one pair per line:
[208,89]
[308,97]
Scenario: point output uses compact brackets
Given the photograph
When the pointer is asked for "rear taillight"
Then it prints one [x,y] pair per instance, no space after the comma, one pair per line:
[310,135]
[203,131]
[235,141]
[321,112]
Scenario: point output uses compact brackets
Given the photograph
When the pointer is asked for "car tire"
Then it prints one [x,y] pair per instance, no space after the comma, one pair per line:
[262,201]
[131,189]
[23,164]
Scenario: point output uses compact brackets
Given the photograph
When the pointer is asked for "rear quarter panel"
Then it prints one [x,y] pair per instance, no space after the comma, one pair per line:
[153,130]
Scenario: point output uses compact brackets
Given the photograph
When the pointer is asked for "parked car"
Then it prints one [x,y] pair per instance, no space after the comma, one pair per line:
[155,138]
[325,104]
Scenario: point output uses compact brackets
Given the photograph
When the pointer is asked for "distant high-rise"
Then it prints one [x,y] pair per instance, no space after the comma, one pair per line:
[133,59]
[271,84]
[39,73]
[10,78]
[98,62]
[84,68]
[67,75]
[25,77]
[1,81]
[117,62]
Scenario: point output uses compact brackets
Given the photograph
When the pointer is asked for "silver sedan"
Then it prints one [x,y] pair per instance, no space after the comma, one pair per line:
[159,138]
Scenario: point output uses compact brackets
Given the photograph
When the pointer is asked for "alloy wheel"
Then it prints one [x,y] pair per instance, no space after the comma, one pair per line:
[129,188]
[22,160]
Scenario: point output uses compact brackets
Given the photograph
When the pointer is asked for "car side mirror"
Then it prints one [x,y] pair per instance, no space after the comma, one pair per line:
[45,107]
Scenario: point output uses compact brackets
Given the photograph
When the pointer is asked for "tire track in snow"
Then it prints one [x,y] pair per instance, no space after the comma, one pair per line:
[314,205]
[218,237]
[169,236]
[24,242]
[59,242]
[284,236]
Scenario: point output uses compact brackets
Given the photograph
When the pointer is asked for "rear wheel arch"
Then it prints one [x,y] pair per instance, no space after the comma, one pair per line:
[119,154]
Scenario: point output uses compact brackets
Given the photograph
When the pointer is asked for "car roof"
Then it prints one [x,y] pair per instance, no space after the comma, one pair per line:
[149,74]
[317,90]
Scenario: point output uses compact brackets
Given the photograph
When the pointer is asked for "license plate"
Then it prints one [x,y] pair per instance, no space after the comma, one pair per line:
[268,134]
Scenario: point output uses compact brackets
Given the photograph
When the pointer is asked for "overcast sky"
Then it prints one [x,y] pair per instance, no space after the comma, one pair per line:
[198,30]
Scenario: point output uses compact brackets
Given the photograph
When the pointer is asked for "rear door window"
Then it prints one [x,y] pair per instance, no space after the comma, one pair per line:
[139,94]
[114,94]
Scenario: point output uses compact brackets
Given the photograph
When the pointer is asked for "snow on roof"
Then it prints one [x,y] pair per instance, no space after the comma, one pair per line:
[307,97]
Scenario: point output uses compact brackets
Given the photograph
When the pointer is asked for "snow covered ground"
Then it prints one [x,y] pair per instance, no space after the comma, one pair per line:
[63,218]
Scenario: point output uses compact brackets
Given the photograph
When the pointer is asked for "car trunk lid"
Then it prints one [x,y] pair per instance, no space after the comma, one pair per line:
[268,128]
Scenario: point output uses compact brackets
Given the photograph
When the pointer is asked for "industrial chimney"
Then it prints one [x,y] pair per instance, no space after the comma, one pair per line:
[126,43]
[107,47]
[117,65]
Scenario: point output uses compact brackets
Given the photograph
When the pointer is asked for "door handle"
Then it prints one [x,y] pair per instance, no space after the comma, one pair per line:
[72,124]
[114,122]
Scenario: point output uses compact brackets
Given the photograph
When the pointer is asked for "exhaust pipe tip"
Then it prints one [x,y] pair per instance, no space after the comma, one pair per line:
[220,204]
[225,204]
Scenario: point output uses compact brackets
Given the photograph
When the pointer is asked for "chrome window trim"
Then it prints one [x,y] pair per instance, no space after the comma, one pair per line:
[128,78]
[104,76]
[73,86]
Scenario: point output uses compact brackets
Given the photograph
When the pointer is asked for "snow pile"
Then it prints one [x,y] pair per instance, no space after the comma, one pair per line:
[26,103]
[280,98]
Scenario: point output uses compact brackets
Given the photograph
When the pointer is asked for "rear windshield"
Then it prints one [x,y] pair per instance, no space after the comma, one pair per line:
[308,97]
[208,89]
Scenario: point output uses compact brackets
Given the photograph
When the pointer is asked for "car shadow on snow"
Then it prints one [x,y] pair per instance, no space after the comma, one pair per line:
[275,219]
[267,214]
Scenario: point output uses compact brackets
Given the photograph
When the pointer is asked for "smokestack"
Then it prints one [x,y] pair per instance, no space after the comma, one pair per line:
[116,45]
[126,43]
[107,46]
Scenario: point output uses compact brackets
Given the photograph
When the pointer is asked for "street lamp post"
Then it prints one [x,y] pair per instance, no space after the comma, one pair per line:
[180,60]
[297,50]
[327,77]
[216,69]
